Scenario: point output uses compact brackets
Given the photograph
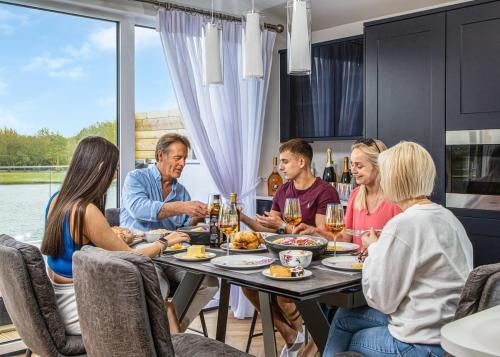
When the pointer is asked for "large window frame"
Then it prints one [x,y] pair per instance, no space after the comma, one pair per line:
[127,16]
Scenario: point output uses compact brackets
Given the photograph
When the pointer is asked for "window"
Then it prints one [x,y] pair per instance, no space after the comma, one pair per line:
[58,84]
[156,110]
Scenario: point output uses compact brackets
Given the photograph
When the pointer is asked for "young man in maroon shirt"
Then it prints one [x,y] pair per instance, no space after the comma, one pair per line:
[314,194]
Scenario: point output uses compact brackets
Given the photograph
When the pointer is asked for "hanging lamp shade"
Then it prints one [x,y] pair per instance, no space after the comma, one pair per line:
[211,47]
[299,37]
[253,66]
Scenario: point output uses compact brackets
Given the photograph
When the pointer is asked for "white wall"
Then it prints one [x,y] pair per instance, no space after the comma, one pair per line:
[270,140]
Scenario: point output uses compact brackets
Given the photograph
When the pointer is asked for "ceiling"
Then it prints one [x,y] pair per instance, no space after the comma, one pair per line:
[325,13]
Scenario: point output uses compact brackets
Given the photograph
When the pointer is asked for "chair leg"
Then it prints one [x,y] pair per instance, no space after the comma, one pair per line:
[251,332]
[203,324]
[28,353]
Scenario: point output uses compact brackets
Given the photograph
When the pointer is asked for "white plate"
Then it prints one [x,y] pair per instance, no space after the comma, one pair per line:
[261,248]
[307,273]
[184,257]
[185,246]
[242,261]
[345,247]
[342,262]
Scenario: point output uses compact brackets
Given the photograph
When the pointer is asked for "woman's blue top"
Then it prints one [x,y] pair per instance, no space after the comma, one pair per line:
[63,264]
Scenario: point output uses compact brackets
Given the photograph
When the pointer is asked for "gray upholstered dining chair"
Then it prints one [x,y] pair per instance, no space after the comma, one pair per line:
[122,312]
[31,303]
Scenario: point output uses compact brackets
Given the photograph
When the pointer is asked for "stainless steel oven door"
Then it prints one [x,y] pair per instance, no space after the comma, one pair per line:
[473,169]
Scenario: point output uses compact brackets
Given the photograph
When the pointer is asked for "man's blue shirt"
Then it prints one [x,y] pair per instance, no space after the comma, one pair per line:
[142,199]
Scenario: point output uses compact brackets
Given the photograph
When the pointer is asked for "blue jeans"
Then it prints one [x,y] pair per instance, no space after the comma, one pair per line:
[365,330]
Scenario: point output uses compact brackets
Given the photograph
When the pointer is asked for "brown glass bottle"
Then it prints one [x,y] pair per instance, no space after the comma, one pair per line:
[274,181]
[346,174]
[214,222]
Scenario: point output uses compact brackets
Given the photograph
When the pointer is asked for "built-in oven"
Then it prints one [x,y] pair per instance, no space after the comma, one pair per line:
[473,169]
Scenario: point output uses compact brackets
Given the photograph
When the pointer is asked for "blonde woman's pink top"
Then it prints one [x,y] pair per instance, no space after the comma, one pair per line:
[360,219]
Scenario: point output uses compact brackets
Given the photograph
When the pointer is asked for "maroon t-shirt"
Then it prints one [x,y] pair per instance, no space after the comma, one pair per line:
[312,200]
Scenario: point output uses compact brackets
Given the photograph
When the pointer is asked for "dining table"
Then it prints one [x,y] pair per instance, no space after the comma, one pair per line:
[476,335]
[325,285]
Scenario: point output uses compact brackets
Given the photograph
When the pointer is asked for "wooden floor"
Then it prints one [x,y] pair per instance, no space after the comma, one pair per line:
[237,333]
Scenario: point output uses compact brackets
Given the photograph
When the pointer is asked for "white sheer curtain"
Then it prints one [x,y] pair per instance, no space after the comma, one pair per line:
[225,122]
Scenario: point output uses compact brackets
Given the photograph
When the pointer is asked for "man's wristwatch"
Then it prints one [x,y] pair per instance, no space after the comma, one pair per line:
[164,242]
[282,229]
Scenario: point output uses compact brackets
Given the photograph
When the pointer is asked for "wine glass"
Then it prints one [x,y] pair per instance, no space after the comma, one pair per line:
[334,221]
[228,221]
[292,214]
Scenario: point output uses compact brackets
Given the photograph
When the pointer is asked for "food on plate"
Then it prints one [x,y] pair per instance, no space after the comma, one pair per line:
[334,247]
[278,271]
[176,246]
[297,241]
[357,265]
[196,251]
[124,233]
[159,231]
[362,255]
[246,240]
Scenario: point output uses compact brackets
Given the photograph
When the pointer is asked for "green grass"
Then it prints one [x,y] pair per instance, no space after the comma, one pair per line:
[26,177]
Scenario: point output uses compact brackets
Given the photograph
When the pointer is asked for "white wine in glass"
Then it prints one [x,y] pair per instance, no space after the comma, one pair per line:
[228,221]
[334,221]
[292,214]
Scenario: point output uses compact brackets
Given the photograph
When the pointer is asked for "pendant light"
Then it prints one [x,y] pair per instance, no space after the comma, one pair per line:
[211,48]
[299,37]
[253,66]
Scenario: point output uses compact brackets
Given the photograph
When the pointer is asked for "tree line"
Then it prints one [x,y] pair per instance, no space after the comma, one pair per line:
[47,147]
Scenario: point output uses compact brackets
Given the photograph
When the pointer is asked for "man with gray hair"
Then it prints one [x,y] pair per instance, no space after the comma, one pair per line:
[152,198]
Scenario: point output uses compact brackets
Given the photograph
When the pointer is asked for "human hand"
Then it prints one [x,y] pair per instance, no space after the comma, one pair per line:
[269,221]
[195,209]
[304,229]
[177,237]
[369,238]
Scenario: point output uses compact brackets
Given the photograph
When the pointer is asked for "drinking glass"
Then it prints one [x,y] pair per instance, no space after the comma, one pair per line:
[228,221]
[334,221]
[292,214]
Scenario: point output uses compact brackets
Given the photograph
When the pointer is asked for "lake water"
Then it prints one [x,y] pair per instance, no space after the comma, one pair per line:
[22,209]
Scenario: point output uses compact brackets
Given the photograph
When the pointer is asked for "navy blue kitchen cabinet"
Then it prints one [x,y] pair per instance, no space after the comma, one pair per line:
[473,67]
[404,81]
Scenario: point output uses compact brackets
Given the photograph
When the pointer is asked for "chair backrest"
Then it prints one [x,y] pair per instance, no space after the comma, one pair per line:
[481,290]
[113,216]
[30,300]
[119,304]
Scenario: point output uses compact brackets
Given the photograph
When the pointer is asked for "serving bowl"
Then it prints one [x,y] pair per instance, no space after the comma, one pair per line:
[197,234]
[317,249]
[293,258]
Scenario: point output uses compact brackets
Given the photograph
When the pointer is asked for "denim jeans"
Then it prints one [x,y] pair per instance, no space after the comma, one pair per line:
[365,330]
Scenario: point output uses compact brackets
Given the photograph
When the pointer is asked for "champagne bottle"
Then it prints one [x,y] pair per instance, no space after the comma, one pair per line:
[234,199]
[329,174]
[346,174]
[213,221]
[274,181]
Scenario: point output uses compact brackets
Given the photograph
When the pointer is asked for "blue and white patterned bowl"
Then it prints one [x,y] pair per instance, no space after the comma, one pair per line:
[293,258]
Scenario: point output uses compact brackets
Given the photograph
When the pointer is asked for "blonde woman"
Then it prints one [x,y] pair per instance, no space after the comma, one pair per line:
[415,270]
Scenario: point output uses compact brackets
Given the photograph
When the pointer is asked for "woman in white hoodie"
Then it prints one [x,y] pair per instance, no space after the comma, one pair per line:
[414,272]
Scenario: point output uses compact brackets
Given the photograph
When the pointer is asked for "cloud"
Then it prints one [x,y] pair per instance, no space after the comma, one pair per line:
[145,37]
[104,39]
[72,73]
[47,62]
[3,86]
[107,101]
[8,120]
[9,21]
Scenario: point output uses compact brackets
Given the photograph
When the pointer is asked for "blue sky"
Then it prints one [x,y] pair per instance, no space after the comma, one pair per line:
[59,71]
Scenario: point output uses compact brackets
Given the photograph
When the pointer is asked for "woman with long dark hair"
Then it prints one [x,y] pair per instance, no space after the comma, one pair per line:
[75,217]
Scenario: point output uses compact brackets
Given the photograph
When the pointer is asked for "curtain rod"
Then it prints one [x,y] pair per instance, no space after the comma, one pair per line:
[167,5]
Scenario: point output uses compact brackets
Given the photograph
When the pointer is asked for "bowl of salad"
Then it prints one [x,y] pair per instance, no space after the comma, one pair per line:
[280,242]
